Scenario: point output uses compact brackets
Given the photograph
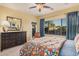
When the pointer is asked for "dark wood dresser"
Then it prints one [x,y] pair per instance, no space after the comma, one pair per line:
[11,39]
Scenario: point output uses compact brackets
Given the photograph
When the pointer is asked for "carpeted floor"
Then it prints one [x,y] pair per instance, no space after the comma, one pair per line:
[14,51]
[68,49]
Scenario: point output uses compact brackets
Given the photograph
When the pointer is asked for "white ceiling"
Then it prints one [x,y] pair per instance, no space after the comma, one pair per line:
[24,7]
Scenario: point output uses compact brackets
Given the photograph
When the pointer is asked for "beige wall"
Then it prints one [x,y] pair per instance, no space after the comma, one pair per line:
[26,18]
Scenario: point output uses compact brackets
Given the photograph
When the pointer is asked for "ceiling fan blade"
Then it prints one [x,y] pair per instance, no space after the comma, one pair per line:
[48,7]
[32,7]
[40,3]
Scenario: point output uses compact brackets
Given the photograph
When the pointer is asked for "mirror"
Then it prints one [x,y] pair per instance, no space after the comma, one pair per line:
[15,23]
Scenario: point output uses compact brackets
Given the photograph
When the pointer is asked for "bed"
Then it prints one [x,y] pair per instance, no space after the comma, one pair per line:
[42,47]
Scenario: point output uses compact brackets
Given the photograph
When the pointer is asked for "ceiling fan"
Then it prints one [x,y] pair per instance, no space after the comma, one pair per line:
[40,6]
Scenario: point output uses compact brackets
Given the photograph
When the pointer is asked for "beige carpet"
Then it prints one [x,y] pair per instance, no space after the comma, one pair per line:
[14,51]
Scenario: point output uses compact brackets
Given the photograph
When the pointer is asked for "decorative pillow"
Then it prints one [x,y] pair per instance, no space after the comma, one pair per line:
[77,43]
[37,35]
[77,46]
[76,38]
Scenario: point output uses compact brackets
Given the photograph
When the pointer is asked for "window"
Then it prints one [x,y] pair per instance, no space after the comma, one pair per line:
[56,27]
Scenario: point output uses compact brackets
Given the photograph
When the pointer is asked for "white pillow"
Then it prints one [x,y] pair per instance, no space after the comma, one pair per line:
[77,43]
[76,38]
[77,46]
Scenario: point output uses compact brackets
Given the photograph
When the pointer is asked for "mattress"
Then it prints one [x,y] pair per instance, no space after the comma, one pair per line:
[42,47]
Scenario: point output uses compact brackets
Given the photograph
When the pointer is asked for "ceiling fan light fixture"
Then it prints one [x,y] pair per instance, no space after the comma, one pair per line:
[39,6]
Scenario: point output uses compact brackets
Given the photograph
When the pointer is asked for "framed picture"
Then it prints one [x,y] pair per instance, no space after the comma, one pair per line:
[15,23]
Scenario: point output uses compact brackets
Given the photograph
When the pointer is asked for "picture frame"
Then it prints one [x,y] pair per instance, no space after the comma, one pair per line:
[15,23]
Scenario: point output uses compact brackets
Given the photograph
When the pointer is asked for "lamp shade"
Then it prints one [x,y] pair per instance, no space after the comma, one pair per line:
[5,23]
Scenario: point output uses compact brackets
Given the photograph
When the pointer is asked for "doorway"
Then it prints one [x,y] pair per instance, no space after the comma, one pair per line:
[33,28]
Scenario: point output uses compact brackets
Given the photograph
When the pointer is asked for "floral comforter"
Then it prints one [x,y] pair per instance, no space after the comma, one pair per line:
[42,47]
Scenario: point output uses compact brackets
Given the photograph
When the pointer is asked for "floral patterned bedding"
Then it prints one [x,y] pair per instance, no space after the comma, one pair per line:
[42,47]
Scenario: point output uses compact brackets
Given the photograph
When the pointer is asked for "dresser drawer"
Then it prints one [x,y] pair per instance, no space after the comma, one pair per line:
[11,39]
